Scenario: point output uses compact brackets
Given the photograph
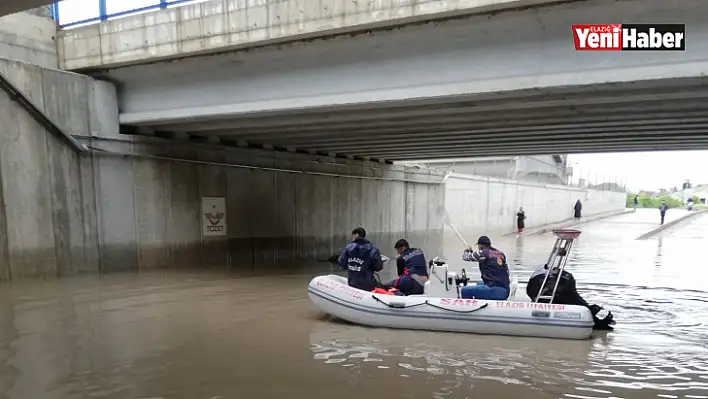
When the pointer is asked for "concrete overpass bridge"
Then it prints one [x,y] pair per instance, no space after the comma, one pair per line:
[490,84]
[81,197]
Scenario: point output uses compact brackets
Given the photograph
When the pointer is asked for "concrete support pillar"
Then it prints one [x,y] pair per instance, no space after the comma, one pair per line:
[113,180]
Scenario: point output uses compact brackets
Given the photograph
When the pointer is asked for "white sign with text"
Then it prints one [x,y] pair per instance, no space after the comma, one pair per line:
[213,216]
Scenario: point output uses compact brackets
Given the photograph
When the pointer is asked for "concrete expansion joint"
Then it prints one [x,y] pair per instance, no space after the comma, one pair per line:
[102,152]
[436,180]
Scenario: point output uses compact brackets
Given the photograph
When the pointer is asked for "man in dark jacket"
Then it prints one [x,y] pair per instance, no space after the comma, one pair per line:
[577,210]
[662,210]
[493,268]
[412,269]
[361,259]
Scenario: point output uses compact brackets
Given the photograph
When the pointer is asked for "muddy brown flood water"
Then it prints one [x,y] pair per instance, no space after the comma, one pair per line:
[207,336]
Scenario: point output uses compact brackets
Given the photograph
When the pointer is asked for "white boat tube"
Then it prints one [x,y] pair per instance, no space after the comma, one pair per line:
[442,308]
[333,295]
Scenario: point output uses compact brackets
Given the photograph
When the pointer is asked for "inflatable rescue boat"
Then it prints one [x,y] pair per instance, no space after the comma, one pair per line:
[441,307]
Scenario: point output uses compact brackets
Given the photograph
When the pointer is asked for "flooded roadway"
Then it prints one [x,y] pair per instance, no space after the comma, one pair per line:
[208,336]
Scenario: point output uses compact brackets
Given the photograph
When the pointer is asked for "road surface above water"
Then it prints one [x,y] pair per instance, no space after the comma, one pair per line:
[208,336]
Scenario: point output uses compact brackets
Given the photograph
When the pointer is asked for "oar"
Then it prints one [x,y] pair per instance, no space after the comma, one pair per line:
[446,217]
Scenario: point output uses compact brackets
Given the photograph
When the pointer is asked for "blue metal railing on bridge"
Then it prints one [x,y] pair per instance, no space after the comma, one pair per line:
[70,13]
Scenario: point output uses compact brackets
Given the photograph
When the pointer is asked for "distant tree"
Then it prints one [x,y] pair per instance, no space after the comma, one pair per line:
[645,201]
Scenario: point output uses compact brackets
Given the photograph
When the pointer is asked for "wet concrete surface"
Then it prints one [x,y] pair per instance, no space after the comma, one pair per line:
[216,335]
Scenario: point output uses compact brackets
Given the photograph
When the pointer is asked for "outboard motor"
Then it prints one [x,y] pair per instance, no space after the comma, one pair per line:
[604,320]
[442,283]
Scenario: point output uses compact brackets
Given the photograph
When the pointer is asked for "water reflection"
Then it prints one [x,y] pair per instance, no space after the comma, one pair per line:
[609,365]
[517,361]
[199,335]
[659,348]
[519,253]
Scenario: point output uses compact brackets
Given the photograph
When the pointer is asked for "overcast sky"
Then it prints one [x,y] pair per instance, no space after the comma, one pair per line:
[647,171]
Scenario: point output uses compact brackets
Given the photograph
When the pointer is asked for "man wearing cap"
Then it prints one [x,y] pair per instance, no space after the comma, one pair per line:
[494,271]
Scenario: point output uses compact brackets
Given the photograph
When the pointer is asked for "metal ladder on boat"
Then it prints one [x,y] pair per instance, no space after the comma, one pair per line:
[557,261]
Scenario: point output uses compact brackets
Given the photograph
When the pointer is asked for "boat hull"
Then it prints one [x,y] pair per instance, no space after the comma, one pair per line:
[333,295]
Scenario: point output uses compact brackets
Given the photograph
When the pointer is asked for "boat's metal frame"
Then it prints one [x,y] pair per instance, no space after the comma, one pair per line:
[564,240]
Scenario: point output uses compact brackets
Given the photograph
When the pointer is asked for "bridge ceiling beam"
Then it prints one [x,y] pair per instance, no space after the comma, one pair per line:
[630,111]
[620,104]
[451,123]
[566,142]
[426,134]
[488,59]
[658,123]
[508,85]
[579,148]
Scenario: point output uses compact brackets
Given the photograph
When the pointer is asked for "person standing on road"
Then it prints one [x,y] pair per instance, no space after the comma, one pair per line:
[636,202]
[578,209]
[662,210]
[520,218]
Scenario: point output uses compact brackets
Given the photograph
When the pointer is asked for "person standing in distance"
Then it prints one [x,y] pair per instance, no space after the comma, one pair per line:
[520,220]
[361,258]
[662,210]
[577,210]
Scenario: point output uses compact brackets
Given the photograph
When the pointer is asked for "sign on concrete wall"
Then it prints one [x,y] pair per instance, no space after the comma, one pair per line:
[213,216]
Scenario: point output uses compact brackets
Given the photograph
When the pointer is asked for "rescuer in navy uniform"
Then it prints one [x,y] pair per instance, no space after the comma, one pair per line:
[412,269]
[361,258]
[493,268]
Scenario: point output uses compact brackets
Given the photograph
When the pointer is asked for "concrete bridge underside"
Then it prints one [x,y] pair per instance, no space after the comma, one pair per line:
[505,84]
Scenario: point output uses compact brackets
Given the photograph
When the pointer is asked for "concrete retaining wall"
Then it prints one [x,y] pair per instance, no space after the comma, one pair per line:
[46,222]
[481,205]
[273,218]
[66,213]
